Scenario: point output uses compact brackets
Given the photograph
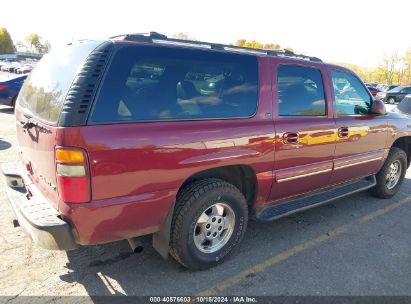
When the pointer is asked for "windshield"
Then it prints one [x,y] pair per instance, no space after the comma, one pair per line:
[44,91]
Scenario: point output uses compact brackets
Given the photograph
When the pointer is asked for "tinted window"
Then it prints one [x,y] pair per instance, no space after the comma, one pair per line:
[300,91]
[351,97]
[45,89]
[152,84]
[407,90]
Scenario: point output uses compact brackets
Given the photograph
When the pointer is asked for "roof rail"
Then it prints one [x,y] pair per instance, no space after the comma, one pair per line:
[154,37]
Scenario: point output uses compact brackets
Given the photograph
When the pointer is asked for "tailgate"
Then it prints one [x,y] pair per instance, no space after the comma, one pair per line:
[36,149]
[39,107]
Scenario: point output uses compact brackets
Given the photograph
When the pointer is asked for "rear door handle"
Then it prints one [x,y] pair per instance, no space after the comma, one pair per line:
[290,137]
[343,132]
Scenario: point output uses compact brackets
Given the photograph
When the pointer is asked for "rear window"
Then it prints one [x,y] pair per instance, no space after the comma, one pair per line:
[160,84]
[44,91]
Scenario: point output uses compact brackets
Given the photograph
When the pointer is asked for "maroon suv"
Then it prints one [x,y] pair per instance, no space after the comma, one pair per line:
[185,140]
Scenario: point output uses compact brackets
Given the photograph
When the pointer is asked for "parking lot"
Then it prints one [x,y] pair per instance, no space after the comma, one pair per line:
[354,246]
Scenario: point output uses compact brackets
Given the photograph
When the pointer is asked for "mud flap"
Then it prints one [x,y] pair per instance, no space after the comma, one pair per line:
[161,239]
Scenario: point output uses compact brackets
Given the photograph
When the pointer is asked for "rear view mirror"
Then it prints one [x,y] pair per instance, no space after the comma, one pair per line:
[378,107]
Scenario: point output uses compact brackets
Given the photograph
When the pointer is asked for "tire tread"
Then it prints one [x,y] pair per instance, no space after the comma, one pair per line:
[185,200]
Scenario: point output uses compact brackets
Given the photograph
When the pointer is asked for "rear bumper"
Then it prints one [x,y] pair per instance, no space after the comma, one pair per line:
[34,213]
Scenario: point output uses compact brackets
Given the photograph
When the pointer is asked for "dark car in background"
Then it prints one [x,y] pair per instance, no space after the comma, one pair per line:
[387,88]
[395,95]
[373,90]
[9,90]
[390,87]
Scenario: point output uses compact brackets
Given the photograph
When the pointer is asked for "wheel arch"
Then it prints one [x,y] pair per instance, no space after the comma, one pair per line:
[241,176]
[404,143]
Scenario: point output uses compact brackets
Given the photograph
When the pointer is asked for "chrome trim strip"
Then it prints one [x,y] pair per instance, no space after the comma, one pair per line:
[357,163]
[303,175]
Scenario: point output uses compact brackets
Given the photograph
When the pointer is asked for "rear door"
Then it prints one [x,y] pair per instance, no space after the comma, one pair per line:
[361,135]
[305,128]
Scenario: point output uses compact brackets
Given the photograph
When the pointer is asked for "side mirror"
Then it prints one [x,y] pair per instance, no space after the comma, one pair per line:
[378,107]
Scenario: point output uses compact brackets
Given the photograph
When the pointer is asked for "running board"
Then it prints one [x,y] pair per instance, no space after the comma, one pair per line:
[303,203]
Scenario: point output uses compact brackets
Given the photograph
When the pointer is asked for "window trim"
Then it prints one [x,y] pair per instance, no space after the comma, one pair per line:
[327,112]
[362,84]
[109,64]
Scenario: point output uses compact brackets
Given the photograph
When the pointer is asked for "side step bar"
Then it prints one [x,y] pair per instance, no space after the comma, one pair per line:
[303,203]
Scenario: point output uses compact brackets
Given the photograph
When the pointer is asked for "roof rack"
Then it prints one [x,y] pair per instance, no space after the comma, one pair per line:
[154,37]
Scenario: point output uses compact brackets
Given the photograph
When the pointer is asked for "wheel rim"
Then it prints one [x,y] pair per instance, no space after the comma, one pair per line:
[214,228]
[393,175]
[391,101]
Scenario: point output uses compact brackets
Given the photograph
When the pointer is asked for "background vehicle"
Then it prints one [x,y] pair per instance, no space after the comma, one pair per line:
[127,137]
[24,69]
[5,67]
[12,68]
[390,87]
[395,95]
[373,90]
[371,84]
[9,90]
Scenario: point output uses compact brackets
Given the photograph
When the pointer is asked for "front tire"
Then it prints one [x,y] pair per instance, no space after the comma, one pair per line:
[391,175]
[209,222]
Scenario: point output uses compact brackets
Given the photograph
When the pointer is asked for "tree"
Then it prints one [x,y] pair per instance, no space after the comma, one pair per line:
[183,36]
[272,46]
[389,66]
[45,47]
[256,45]
[6,43]
[33,40]
[35,43]
[407,65]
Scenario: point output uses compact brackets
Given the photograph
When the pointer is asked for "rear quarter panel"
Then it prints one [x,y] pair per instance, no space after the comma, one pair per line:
[399,125]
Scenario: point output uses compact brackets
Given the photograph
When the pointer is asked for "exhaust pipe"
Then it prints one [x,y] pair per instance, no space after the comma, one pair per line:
[135,245]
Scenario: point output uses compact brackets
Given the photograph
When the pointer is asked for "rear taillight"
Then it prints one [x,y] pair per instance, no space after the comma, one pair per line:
[73,178]
[2,87]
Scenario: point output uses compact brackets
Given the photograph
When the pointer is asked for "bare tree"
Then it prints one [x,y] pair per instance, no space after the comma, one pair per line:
[390,64]
[407,65]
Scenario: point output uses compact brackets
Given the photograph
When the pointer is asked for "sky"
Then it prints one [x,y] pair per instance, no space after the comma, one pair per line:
[352,31]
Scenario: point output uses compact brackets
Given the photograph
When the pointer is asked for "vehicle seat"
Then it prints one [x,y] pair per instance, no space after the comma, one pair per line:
[186,90]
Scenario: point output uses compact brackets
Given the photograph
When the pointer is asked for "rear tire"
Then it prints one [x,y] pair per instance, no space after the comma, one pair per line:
[209,222]
[391,175]
[391,100]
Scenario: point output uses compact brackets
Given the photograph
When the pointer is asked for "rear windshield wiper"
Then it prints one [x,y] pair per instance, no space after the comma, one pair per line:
[30,124]
[27,124]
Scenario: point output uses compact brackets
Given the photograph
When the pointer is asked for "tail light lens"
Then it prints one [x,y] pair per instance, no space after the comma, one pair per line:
[2,87]
[73,178]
